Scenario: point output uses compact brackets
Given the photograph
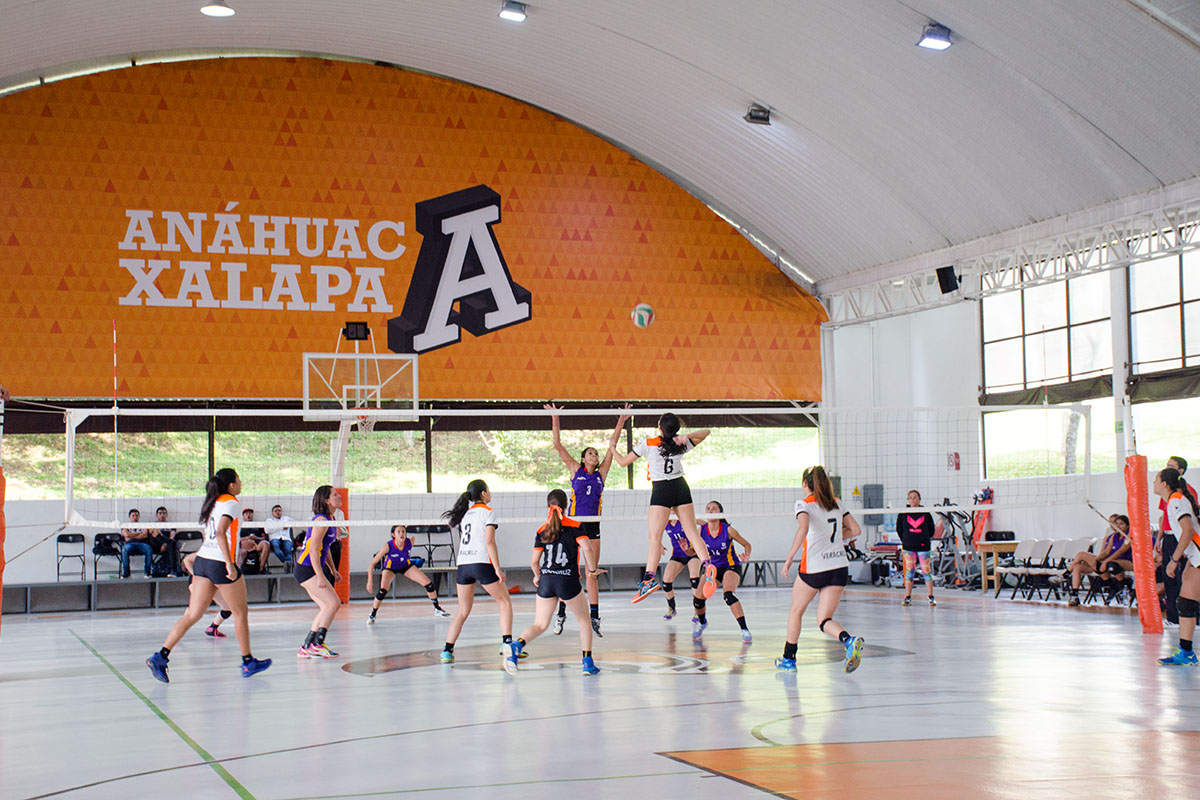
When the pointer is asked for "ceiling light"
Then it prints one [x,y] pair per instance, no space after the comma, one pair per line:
[217,8]
[935,37]
[512,11]
[758,115]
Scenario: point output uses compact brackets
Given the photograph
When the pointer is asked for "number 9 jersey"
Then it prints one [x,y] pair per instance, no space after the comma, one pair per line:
[823,546]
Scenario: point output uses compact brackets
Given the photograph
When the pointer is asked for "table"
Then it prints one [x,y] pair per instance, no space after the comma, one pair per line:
[995,549]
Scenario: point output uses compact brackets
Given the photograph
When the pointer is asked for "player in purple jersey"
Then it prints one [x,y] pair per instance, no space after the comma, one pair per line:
[682,555]
[719,537]
[587,485]
[316,572]
[397,559]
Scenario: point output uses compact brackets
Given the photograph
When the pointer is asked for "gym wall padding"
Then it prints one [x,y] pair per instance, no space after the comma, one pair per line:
[586,228]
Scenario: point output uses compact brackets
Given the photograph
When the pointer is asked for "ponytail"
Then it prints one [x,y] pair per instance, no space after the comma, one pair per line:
[818,482]
[668,426]
[556,502]
[1175,482]
[473,494]
[217,485]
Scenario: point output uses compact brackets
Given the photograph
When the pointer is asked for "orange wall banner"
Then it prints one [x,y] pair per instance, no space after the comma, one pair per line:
[1137,504]
[233,214]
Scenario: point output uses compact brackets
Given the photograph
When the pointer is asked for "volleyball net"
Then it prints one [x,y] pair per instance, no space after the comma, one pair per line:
[407,466]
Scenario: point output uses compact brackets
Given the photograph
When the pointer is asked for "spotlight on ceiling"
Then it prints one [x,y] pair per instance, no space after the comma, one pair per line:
[217,8]
[512,11]
[758,115]
[935,37]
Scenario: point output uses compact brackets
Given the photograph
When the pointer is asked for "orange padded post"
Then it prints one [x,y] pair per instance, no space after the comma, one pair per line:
[2,487]
[1137,502]
[343,586]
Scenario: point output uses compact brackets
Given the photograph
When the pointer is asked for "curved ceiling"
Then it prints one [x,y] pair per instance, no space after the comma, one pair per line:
[878,150]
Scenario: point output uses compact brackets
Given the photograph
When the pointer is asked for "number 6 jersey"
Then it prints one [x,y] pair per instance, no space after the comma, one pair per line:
[472,532]
[823,546]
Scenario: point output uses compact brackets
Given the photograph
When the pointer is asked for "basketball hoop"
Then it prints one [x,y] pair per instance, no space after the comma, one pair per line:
[366,424]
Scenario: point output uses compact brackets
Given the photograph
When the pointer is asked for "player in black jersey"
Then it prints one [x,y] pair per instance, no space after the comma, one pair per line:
[555,564]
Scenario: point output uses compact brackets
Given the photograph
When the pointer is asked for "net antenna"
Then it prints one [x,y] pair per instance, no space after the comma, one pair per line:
[357,389]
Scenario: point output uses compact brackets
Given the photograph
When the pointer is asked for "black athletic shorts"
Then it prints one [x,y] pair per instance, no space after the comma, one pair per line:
[564,587]
[469,573]
[303,572]
[398,567]
[592,529]
[830,577]
[213,570]
[722,570]
[670,494]
[683,561]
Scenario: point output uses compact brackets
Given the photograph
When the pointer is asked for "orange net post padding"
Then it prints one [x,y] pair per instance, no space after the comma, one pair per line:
[343,586]
[2,487]
[1137,501]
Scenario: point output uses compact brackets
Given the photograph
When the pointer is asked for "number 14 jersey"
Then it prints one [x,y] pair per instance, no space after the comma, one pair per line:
[823,546]
[561,556]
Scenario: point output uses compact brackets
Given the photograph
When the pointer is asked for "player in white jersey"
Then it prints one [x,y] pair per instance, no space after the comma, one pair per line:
[669,492]
[1182,513]
[479,560]
[822,525]
[214,572]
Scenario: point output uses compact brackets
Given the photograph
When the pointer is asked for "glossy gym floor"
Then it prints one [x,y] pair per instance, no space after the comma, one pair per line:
[975,698]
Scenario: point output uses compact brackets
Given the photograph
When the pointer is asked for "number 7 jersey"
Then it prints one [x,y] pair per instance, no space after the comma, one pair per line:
[823,546]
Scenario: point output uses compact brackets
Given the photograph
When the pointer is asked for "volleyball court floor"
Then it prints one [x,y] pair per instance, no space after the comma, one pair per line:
[974,698]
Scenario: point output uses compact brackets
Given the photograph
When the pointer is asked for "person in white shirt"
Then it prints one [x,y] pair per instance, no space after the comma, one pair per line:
[1182,512]
[215,573]
[280,534]
[479,561]
[669,492]
[822,527]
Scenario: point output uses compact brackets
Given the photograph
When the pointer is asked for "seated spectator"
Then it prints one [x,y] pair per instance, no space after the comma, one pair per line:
[1112,561]
[280,536]
[162,542]
[253,547]
[136,543]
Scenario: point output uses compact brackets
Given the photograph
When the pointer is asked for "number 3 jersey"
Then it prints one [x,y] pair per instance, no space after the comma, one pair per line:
[561,556]
[823,547]
[472,534]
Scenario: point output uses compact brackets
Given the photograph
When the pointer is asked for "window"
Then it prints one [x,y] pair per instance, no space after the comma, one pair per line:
[1164,318]
[1053,333]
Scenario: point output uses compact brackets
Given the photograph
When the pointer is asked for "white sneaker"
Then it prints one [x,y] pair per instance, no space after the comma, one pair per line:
[438,611]
[746,637]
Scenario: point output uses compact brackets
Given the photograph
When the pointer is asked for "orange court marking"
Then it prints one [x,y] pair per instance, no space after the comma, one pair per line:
[1142,764]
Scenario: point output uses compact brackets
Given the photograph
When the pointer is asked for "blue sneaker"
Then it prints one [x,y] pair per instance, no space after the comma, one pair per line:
[589,666]
[788,664]
[746,637]
[698,628]
[1181,658]
[510,660]
[158,667]
[854,646]
[447,657]
[255,666]
[645,589]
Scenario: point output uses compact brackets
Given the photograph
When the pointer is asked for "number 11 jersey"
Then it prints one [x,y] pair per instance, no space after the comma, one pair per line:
[823,546]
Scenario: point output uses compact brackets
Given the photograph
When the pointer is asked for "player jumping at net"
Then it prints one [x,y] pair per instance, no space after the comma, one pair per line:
[822,525]
[397,559]
[316,572]
[588,475]
[669,492]
[719,537]
[215,572]
[1183,513]
[916,531]
[682,556]
[557,548]
[479,560]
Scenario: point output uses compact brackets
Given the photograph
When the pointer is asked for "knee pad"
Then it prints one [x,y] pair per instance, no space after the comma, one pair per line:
[695,583]
[824,622]
[226,613]
[668,586]
[698,604]
[730,598]
[1187,607]
[428,588]
[382,593]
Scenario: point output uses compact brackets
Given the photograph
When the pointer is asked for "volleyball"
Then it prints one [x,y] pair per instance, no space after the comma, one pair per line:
[642,315]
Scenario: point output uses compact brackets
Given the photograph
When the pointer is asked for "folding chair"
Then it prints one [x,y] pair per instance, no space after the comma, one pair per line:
[182,538]
[106,544]
[73,540]
[1020,557]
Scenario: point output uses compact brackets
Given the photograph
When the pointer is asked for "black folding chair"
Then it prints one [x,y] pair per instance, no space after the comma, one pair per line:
[106,544]
[73,540]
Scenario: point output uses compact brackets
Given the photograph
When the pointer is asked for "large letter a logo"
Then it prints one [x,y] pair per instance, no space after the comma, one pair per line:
[460,261]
